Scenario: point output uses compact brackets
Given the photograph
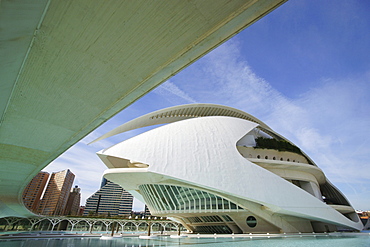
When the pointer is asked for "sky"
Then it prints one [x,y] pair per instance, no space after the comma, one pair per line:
[304,70]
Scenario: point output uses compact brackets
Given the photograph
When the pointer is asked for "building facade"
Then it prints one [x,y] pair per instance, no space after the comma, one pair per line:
[217,169]
[57,193]
[33,191]
[110,200]
[147,211]
[73,203]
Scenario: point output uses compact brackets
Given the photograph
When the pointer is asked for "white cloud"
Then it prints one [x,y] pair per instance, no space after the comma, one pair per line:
[168,90]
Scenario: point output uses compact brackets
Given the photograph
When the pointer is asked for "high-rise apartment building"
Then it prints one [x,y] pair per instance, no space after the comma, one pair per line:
[110,199]
[56,194]
[33,191]
[73,203]
[147,211]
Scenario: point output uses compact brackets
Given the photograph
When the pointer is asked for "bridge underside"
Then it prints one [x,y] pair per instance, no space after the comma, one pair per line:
[68,66]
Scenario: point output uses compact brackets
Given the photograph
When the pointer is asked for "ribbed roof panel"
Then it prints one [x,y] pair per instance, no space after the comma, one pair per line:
[182,112]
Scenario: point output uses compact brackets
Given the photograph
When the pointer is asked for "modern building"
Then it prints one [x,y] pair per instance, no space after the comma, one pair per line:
[73,203]
[110,200]
[217,169]
[33,191]
[57,193]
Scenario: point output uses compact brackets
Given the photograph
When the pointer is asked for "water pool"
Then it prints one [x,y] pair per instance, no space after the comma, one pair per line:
[305,241]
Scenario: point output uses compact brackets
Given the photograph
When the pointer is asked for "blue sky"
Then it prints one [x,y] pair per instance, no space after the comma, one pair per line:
[304,70]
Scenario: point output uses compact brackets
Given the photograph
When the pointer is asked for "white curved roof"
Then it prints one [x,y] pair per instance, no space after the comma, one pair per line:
[182,112]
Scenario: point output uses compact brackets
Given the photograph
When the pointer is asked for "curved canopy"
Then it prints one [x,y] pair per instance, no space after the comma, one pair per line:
[181,112]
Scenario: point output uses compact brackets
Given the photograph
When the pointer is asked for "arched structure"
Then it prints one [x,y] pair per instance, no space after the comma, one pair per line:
[220,170]
[55,223]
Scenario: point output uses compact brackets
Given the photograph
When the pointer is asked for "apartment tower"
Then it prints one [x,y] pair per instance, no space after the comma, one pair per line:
[33,191]
[57,193]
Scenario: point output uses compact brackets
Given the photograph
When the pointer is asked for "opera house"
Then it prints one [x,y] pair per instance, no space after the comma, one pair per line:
[217,169]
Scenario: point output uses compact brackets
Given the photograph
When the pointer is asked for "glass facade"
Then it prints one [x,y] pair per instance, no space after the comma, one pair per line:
[170,198]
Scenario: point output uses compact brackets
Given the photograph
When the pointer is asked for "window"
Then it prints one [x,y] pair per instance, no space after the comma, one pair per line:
[266,157]
[251,221]
[213,218]
[258,156]
[194,219]
[227,218]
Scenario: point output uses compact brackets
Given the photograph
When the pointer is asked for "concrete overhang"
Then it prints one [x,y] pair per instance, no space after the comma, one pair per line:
[291,166]
[68,66]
